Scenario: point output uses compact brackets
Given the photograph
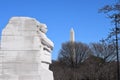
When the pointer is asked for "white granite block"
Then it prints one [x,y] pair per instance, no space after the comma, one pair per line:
[25,50]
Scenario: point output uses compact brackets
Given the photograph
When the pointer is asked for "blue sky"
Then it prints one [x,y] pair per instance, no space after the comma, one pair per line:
[60,16]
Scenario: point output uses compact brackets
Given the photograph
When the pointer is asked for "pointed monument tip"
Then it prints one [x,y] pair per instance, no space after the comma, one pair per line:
[72,29]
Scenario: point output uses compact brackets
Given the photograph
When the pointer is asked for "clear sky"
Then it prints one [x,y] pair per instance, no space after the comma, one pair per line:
[60,16]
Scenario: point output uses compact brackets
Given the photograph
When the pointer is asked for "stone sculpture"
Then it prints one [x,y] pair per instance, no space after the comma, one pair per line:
[25,50]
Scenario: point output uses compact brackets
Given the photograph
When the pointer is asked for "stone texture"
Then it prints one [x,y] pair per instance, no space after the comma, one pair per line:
[25,50]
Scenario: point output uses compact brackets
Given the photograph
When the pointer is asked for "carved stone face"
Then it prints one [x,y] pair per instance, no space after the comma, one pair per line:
[25,51]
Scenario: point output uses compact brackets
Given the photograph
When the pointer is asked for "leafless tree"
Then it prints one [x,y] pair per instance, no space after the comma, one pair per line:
[95,68]
[104,50]
[73,54]
[113,12]
[90,67]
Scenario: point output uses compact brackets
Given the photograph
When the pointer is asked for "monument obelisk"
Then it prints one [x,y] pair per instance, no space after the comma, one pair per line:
[72,35]
[72,40]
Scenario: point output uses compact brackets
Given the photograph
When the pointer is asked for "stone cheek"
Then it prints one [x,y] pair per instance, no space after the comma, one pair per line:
[25,51]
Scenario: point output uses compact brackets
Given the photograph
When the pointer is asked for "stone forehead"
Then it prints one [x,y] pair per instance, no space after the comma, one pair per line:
[41,25]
